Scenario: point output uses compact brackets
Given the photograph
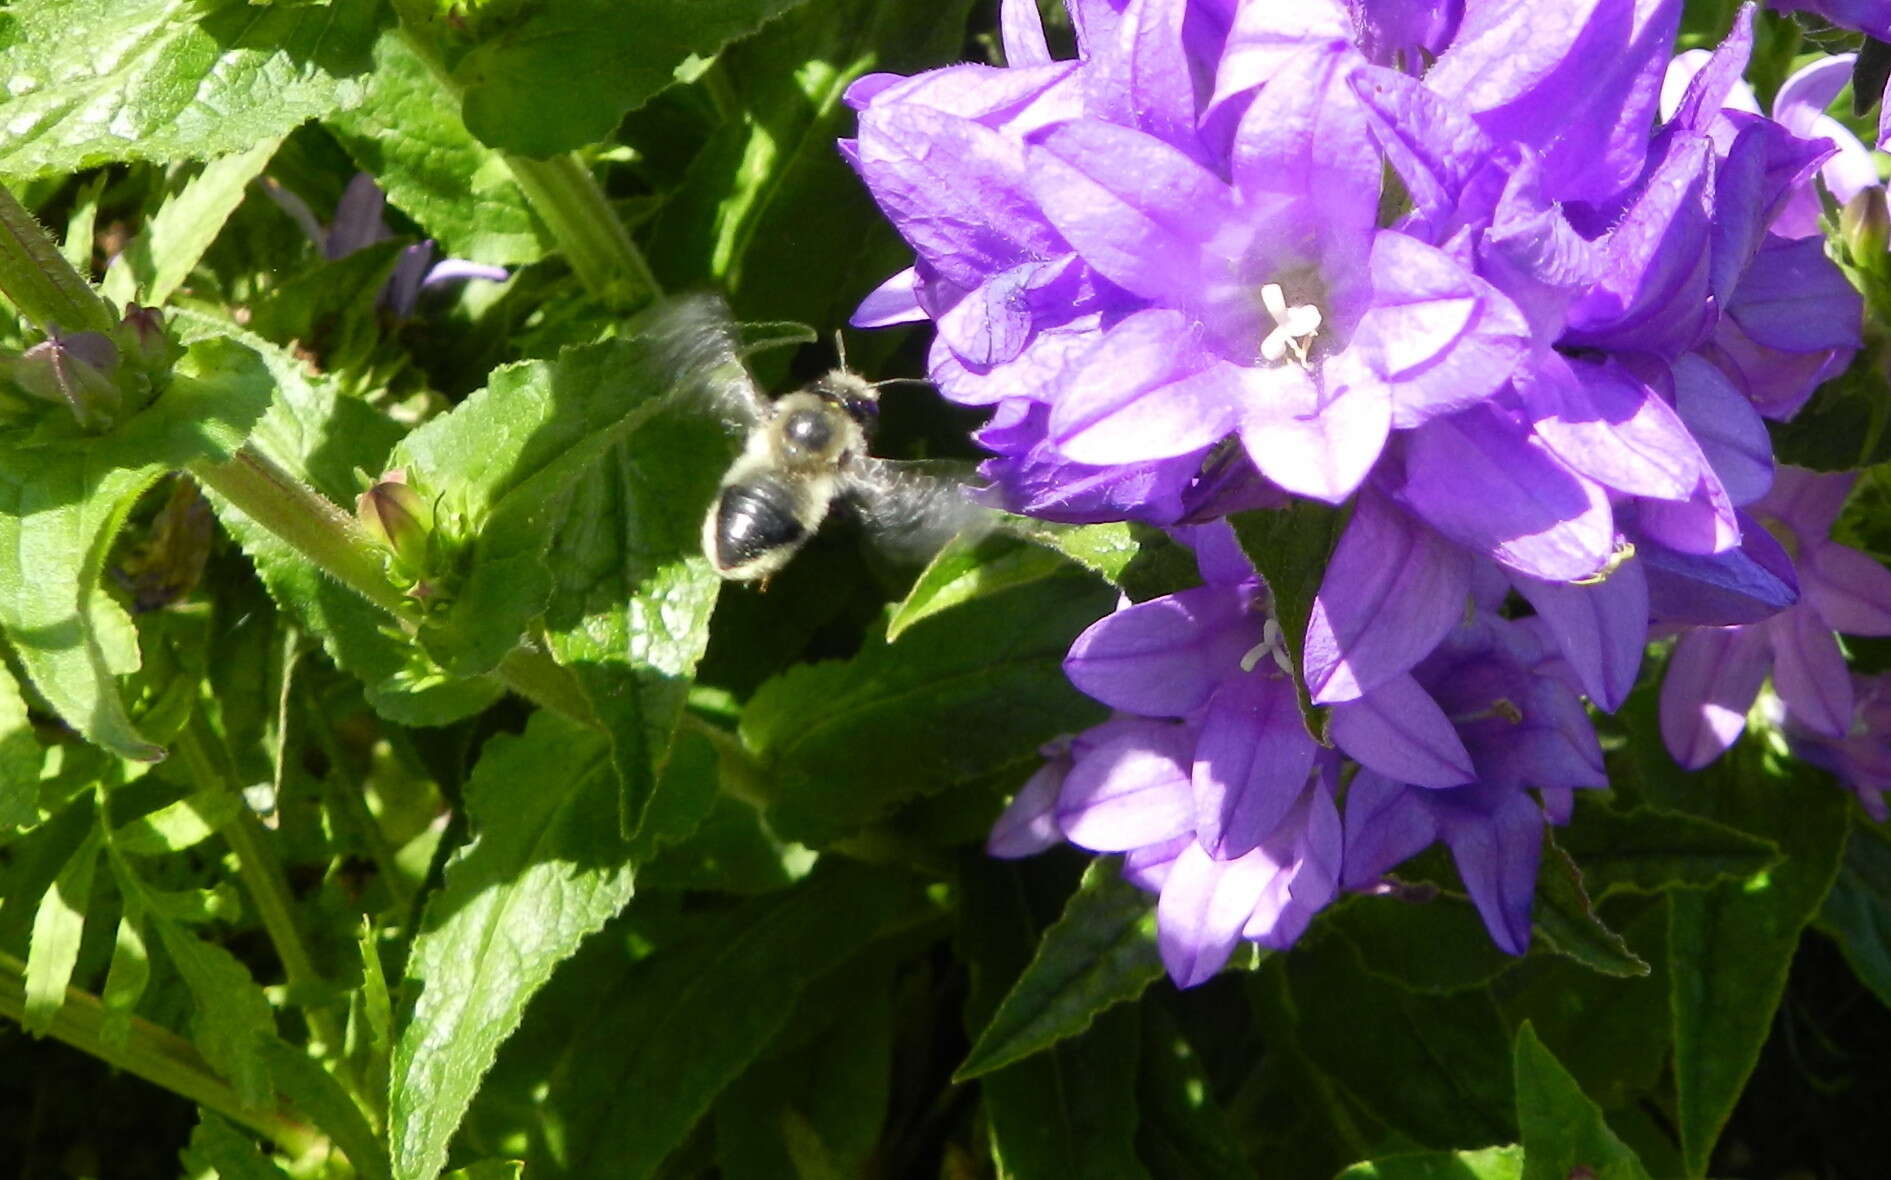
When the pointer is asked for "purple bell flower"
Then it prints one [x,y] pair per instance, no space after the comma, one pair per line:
[1715,673]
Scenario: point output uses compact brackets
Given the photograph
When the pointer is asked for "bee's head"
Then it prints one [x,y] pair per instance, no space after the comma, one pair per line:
[858,398]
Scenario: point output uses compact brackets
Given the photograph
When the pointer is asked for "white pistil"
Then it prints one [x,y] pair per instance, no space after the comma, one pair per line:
[1270,645]
[1294,327]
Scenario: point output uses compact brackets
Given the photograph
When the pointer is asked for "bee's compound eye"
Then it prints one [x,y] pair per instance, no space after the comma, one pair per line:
[808,431]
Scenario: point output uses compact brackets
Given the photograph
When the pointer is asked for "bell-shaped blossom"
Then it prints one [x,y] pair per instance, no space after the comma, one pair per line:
[1524,729]
[1860,758]
[1715,673]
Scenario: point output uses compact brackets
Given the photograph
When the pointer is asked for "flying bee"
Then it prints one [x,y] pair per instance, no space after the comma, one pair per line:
[802,453]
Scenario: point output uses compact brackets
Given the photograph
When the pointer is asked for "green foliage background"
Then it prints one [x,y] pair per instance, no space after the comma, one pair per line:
[590,866]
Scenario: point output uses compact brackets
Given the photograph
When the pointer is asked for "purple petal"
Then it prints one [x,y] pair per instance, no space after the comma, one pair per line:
[1438,337]
[1386,822]
[1251,763]
[1652,296]
[1601,629]
[1850,590]
[449,269]
[1603,422]
[1148,867]
[1481,481]
[892,302]
[1744,585]
[1795,299]
[1139,211]
[1163,658]
[1705,523]
[1809,672]
[1204,905]
[1143,393]
[1264,37]
[1283,914]
[1144,79]
[1309,443]
[1021,27]
[1718,75]
[1578,82]
[1778,383]
[1711,681]
[357,218]
[1807,502]
[955,188]
[1305,134]
[1497,846]
[1399,731]
[1029,824]
[1018,100]
[1731,433]
[1390,592]
[1435,147]
[1129,789]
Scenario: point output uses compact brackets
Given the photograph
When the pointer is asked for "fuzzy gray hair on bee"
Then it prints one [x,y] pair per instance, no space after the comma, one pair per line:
[802,453]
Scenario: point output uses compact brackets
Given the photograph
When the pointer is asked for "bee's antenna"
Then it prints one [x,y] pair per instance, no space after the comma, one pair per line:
[886,381]
[840,346]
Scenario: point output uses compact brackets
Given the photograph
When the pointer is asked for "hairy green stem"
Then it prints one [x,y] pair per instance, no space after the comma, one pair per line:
[156,1055]
[592,238]
[307,520]
[37,279]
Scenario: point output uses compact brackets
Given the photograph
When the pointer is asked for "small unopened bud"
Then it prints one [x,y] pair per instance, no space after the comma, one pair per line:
[397,516]
[76,370]
[1865,224]
[146,343]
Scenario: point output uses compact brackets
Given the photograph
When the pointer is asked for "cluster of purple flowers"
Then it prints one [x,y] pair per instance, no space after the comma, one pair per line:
[1510,281]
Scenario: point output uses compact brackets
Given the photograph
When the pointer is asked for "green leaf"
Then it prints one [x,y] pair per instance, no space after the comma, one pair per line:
[179,825]
[1648,849]
[1290,547]
[1566,917]
[630,612]
[174,239]
[686,1027]
[315,1093]
[1564,1134]
[1857,912]
[967,695]
[969,568]
[1070,1110]
[21,757]
[1181,1133]
[814,1107]
[1489,1163]
[58,925]
[407,134]
[1433,1067]
[1106,550]
[1437,946]
[489,1170]
[217,1147]
[230,1020]
[60,507]
[561,76]
[546,869]
[1100,953]
[126,978]
[1731,946]
[769,211]
[100,81]
[501,465]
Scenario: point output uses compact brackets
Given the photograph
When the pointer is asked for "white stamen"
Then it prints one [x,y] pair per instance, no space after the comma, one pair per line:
[1270,645]
[1294,327]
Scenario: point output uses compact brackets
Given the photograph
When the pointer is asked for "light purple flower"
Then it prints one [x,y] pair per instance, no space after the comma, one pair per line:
[1860,758]
[1715,673]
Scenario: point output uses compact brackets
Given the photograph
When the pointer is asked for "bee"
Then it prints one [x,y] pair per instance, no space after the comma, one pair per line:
[802,453]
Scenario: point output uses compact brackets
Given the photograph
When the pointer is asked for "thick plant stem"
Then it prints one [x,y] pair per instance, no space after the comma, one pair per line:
[39,281]
[307,520]
[589,234]
[156,1055]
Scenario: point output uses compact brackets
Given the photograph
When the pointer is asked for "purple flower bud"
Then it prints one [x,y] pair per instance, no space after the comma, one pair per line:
[77,371]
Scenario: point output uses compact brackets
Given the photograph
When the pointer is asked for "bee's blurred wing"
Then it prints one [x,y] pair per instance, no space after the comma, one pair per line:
[695,347]
[913,509]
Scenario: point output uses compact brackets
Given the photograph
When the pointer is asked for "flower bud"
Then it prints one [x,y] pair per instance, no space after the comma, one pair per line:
[147,344]
[397,516]
[1865,225]
[76,370]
